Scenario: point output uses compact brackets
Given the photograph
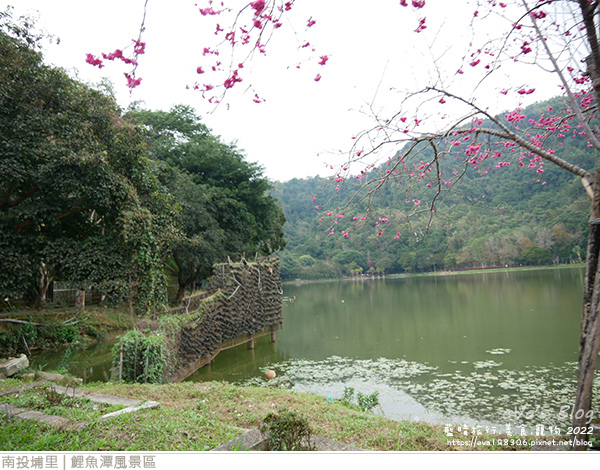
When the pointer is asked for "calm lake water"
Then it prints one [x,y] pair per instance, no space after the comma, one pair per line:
[492,349]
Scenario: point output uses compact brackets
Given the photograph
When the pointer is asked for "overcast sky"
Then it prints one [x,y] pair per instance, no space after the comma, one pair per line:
[302,125]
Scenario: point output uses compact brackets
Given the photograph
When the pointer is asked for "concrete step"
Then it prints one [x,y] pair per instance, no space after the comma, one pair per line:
[12,365]
[253,440]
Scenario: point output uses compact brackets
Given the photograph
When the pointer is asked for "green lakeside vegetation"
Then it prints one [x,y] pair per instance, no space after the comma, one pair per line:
[55,327]
[504,218]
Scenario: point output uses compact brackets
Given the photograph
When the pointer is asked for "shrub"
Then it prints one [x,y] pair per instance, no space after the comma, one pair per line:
[94,333]
[143,357]
[8,343]
[363,402]
[48,334]
[56,333]
[286,431]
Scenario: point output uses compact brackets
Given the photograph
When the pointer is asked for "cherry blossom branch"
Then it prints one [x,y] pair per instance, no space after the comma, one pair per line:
[507,134]
[592,137]
[139,48]
[266,16]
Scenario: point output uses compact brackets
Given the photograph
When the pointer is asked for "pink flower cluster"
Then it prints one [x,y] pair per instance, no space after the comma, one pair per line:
[139,48]
[415,3]
[262,18]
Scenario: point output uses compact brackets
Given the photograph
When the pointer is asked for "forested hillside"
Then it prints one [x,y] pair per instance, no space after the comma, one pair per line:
[500,214]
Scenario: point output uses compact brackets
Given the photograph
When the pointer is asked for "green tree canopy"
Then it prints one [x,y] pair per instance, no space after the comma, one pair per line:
[226,207]
[78,200]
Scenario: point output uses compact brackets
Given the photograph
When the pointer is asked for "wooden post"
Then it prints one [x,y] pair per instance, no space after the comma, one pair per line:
[80,300]
[135,359]
[121,364]
[147,359]
[590,327]
[273,336]
[251,342]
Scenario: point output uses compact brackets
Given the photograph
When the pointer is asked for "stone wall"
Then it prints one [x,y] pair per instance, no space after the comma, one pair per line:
[244,300]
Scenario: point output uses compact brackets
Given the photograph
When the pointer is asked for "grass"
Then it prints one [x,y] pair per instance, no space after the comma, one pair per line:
[104,319]
[45,399]
[200,416]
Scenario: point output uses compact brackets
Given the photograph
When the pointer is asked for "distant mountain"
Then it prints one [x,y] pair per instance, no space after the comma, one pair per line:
[502,217]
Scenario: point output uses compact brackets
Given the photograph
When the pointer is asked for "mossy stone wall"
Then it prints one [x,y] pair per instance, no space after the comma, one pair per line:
[244,299]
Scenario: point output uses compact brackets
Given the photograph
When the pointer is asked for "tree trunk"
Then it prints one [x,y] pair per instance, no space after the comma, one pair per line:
[182,283]
[43,285]
[180,294]
[590,328]
[132,301]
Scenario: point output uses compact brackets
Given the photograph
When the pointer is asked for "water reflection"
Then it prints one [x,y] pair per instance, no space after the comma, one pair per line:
[491,340]
[435,320]
[92,362]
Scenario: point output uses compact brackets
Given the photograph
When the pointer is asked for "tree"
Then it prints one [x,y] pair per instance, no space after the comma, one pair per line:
[450,261]
[418,142]
[536,256]
[549,32]
[78,200]
[201,241]
[544,238]
[226,207]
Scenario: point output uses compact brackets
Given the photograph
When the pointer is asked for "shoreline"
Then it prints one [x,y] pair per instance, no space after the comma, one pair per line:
[435,273]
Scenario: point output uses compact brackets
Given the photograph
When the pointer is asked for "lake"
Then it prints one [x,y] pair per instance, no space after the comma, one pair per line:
[493,348]
[490,349]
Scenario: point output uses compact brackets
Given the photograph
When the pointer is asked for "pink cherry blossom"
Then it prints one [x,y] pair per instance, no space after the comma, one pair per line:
[208,11]
[235,78]
[525,48]
[132,82]
[526,92]
[258,6]
[538,15]
[90,59]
